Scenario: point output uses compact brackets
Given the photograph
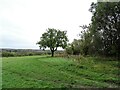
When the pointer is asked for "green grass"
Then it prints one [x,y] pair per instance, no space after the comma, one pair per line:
[57,72]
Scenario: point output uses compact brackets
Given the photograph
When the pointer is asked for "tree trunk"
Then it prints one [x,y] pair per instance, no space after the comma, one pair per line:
[52,53]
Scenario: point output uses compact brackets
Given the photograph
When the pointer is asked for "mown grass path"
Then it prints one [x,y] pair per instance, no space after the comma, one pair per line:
[45,71]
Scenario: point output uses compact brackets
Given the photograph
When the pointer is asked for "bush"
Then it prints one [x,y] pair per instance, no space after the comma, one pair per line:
[13,53]
[8,54]
[69,50]
[30,54]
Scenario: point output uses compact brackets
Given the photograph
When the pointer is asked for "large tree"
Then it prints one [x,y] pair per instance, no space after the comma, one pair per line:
[53,39]
[106,27]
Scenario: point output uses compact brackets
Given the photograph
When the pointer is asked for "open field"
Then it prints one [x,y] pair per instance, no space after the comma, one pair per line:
[57,72]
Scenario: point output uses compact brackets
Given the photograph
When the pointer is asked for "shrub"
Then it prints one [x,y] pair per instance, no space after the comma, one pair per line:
[8,54]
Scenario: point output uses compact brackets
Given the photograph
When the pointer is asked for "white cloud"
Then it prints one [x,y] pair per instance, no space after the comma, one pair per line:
[23,21]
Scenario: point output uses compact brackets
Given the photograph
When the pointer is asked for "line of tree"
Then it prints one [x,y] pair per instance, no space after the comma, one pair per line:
[101,37]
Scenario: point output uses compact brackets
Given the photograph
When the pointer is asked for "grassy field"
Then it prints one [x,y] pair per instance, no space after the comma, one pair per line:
[57,72]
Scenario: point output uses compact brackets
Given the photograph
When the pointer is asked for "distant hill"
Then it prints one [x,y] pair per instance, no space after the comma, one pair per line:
[6,52]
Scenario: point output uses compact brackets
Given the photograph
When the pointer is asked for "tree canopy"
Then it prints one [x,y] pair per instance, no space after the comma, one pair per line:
[53,39]
[106,27]
[102,36]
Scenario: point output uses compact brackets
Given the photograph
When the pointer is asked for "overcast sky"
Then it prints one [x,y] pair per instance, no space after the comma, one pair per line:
[22,22]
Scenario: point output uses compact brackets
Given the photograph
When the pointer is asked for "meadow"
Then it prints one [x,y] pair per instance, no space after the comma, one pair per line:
[59,72]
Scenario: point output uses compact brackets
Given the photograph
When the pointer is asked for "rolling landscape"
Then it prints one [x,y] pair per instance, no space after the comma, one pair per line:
[47,72]
[59,47]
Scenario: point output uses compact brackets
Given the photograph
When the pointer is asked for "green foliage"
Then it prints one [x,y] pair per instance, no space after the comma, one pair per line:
[74,47]
[102,36]
[8,54]
[85,39]
[57,72]
[53,39]
[105,27]
[24,53]
[83,45]
[69,49]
